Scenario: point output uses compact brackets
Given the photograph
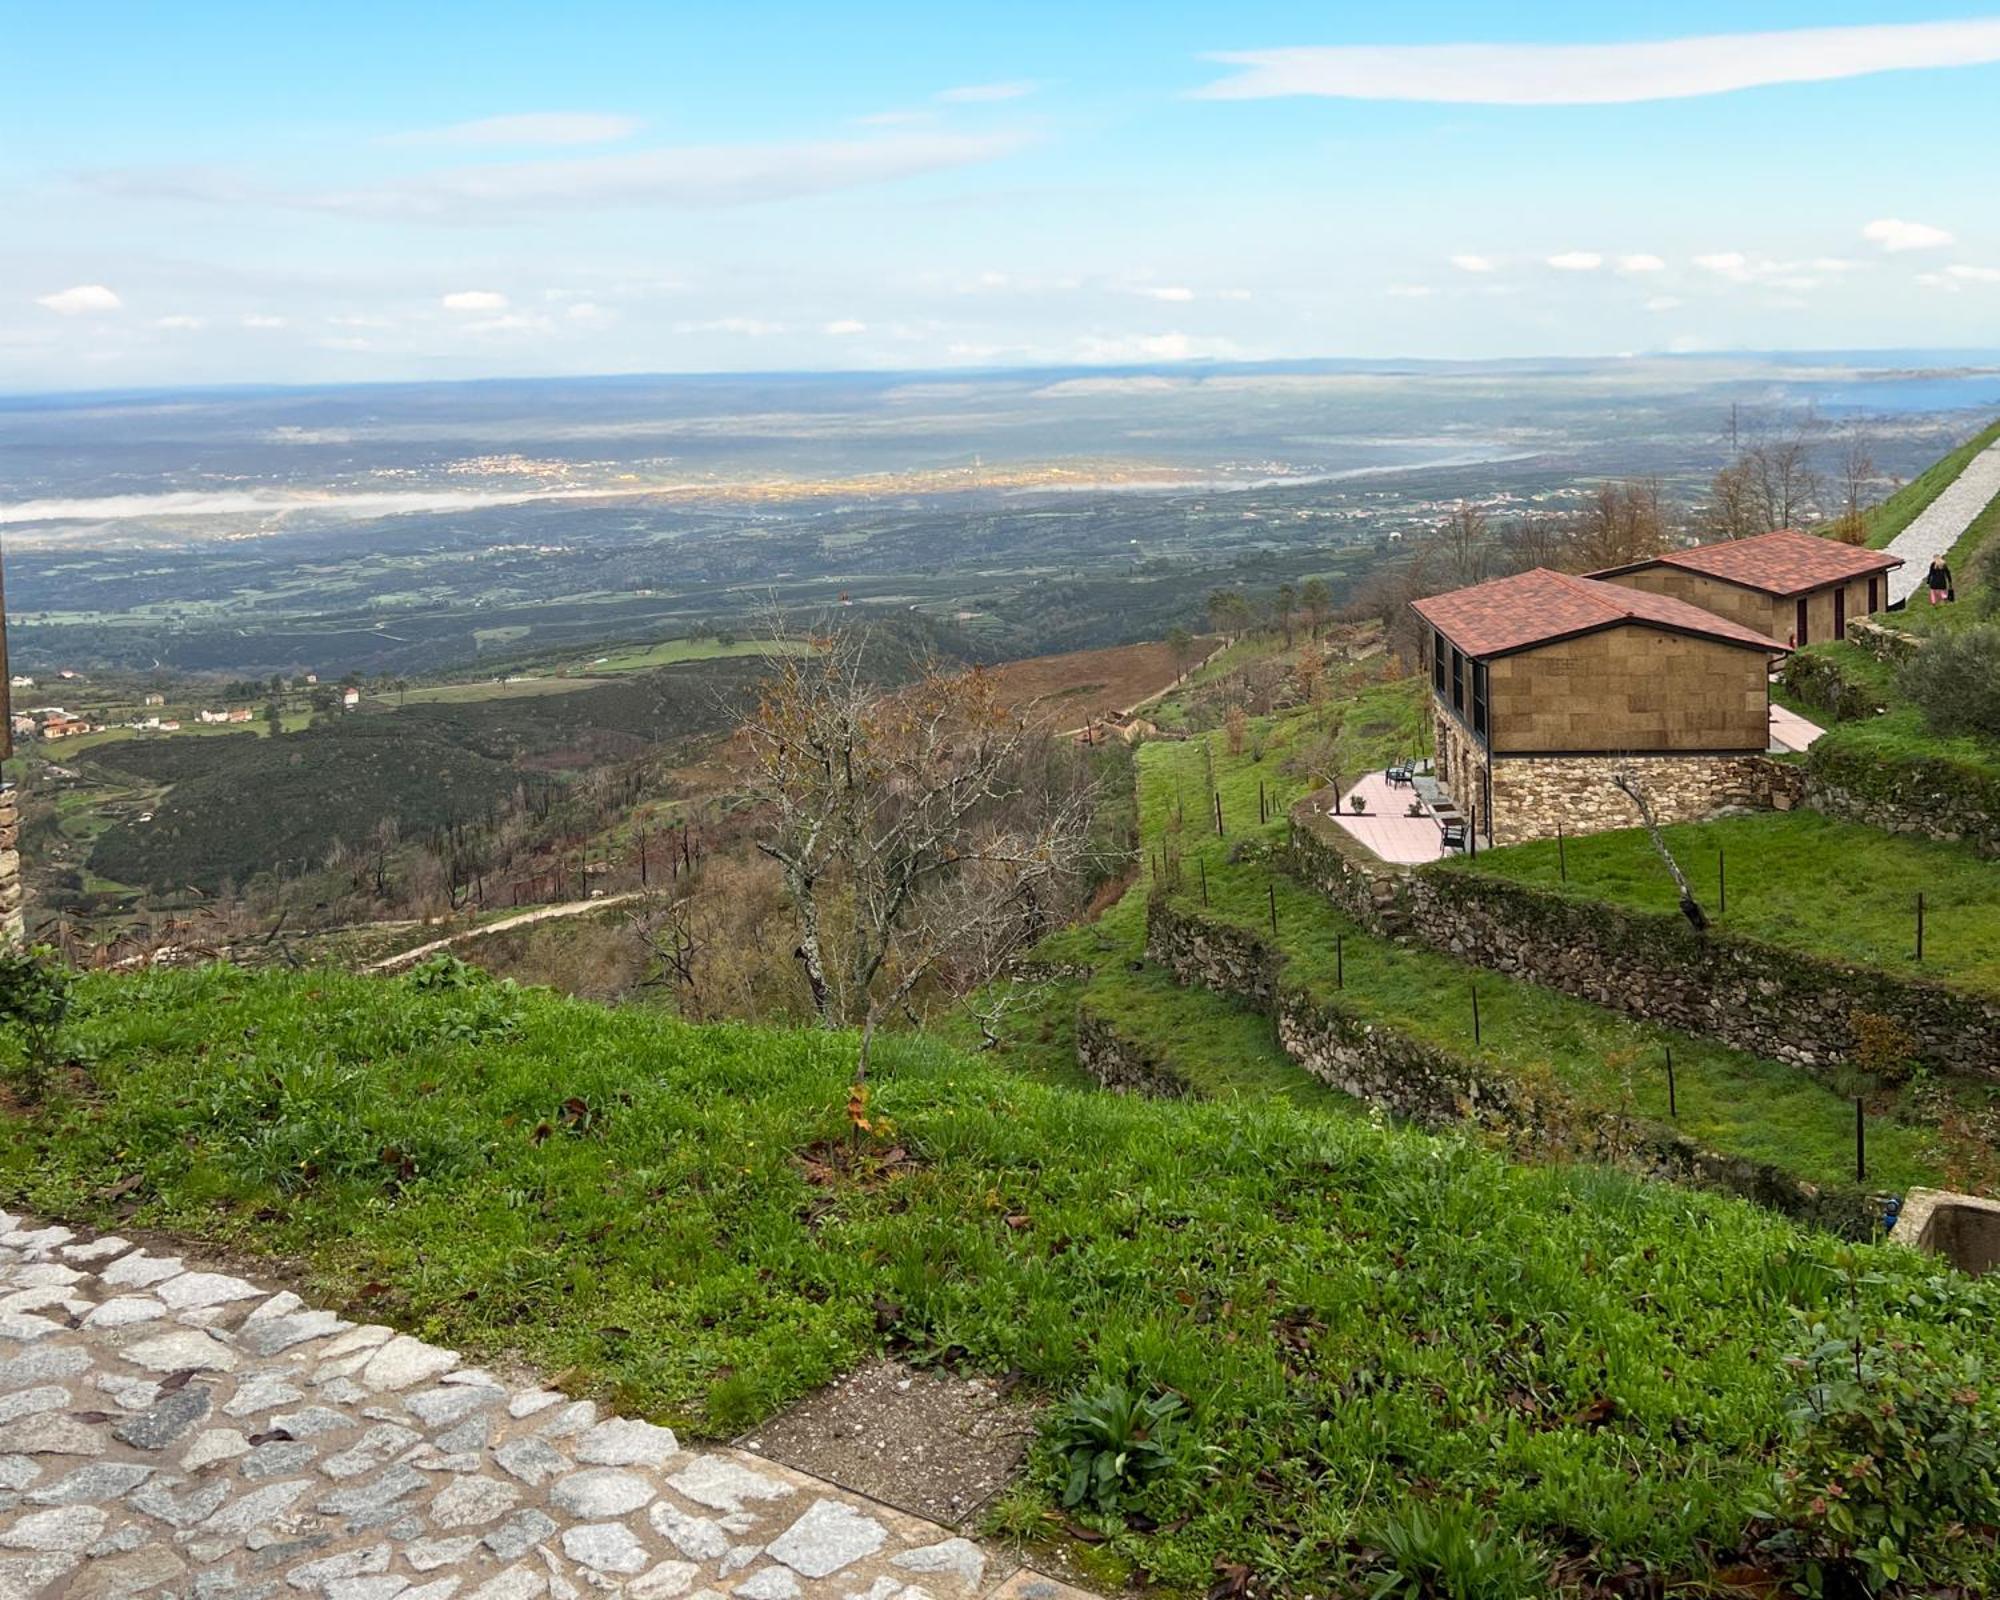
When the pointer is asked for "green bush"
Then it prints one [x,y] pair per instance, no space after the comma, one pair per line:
[34,1001]
[1891,1479]
[1955,681]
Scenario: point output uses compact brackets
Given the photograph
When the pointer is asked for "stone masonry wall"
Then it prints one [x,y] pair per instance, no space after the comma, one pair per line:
[12,899]
[1532,795]
[1779,1003]
[1936,799]
[1435,1088]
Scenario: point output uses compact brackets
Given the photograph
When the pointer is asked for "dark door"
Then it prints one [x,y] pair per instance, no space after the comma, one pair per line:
[1840,612]
[1874,596]
[1799,627]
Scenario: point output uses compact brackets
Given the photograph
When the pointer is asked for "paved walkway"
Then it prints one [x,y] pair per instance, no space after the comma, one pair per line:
[1790,731]
[1938,526]
[1384,828]
[168,1431]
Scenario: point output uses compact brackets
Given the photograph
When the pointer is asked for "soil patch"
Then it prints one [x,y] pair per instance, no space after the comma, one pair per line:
[926,1442]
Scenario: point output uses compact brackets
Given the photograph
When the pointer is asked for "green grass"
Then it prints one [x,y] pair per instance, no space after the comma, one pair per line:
[469,693]
[669,651]
[1604,1062]
[1362,1320]
[1895,513]
[1796,879]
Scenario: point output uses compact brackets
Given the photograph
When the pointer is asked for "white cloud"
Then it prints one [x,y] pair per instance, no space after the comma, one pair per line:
[845,327]
[1173,294]
[263,319]
[1641,262]
[529,128]
[1152,347]
[474,300]
[357,320]
[1411,291]
[1894,235]
[1576,261]
[980,94]
[684,176]
[1663,302]
[585,311]
[1602,74]
[1731,264]
[1233,294]
[509,322]
[177,322]
[746,327]
[1970,274]
[1472,263]
[81,300]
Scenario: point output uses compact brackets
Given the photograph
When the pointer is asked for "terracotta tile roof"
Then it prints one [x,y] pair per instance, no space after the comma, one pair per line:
[1508,614]
[1783,563]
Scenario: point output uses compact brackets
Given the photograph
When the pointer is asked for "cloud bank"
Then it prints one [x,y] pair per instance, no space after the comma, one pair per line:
[1601,74]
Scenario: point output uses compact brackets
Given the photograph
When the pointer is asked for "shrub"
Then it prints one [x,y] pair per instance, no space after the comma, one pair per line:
[1892,1475]
[1955,681]
[34,1000]
[1114,1441]
[1982,576]
[1450,1551]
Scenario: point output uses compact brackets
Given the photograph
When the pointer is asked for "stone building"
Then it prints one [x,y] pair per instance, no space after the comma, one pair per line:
[1545,687]
[1789,585]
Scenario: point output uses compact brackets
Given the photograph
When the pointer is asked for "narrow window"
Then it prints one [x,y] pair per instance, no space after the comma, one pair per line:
[1799,627]
[1479,698]
[1457,680]
[1840,612]
[1437,661]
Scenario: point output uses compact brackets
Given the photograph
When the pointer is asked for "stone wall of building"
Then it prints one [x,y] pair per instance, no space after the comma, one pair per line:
[1437,1088]
[1532,795]
[12,896]
[1117,1061]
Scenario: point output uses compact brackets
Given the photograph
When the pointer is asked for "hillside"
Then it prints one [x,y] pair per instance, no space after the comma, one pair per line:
[1403,1356]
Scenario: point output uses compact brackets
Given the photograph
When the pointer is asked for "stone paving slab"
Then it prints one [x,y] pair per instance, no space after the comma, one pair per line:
[171,1431]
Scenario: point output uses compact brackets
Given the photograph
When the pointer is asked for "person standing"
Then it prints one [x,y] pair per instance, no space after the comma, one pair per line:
[1938,581]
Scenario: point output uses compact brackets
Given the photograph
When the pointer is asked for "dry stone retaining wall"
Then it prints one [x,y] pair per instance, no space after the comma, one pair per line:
[1773,1002]
[1436,1088]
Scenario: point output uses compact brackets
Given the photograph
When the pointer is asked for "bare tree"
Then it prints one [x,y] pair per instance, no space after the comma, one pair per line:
[1782,479]
[916,837]
[1316,601]
[1534,542]
[1857,474]
[1464,544]
[1732,510]
[1690,907]
[1623,522]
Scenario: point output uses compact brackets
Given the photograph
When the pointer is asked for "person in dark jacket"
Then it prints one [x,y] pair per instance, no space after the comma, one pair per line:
[1938,581]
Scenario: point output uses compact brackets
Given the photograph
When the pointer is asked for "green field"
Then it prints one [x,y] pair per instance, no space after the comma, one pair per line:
[468,693]
[1797,879]
[669,651]
[1403,1357]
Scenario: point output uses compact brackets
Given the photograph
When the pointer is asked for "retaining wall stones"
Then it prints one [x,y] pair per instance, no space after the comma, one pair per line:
[1436,1088]
[1773,1002]
[13,926]
[1935,799]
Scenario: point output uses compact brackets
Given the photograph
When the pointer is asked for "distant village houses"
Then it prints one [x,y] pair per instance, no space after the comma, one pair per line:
[350,698]
[156,699]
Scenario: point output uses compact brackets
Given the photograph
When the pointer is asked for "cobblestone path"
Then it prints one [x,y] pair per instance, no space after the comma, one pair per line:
[169,1431]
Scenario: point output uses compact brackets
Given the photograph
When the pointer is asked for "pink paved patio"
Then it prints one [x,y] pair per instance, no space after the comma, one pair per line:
[1383,827]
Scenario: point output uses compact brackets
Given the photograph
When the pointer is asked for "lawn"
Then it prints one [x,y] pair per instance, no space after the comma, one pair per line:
[1524,1376]
[1797,879]
[1602,1060]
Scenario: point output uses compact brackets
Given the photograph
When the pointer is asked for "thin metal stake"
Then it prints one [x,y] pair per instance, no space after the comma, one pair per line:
[1202,863]
[1271,889]
[1475,1013]
[1920,924]
[1721,882]
[1860,1142]
[1340,961]
[1562,854]
[1673,1102]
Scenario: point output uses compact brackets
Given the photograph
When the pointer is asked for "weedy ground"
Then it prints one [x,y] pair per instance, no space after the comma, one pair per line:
[1378,1335]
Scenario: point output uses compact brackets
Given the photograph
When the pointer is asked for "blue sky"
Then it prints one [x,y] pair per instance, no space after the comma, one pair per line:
[219,192]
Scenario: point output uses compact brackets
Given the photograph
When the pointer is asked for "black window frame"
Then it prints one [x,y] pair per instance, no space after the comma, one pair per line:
[1480,709]
[1458,680]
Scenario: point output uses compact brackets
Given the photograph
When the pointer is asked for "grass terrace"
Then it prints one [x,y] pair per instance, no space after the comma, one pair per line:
[1793,878]
[1897,511]
[1402,1355]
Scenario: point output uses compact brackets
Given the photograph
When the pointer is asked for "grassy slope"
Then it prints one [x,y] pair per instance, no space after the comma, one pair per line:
[1796,879]
[1729,1100]
[1361,1319]
[1899,510]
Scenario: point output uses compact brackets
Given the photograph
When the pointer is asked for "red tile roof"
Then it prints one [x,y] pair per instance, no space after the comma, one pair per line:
[1786,562]
[1508,614]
